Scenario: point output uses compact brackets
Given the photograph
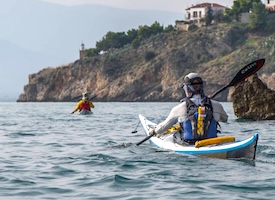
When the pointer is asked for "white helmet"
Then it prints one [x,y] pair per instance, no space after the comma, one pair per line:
[190,80]
[85,94]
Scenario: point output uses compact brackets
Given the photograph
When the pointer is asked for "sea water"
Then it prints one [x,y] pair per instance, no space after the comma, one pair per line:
[48,153]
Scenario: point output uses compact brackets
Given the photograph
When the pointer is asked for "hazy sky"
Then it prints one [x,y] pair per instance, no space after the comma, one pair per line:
[166,5]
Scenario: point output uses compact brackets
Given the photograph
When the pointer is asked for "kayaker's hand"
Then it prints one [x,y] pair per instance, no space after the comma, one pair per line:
[152,132]
[72,112]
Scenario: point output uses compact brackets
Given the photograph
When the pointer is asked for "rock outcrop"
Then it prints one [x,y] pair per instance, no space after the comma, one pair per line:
[252,99]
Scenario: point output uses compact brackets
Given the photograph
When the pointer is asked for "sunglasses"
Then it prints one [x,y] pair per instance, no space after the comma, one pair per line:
[197,83]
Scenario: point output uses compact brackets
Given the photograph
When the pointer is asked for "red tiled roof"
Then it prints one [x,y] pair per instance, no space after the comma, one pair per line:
[205,5]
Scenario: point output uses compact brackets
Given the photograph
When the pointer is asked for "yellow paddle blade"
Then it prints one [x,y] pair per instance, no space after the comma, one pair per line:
[217,140]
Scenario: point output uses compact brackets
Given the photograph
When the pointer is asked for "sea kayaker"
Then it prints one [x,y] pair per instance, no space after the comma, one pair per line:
[83,104]
[197,114]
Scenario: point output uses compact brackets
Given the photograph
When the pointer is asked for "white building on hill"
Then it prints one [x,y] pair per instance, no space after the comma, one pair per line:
[195,13]
[199,11]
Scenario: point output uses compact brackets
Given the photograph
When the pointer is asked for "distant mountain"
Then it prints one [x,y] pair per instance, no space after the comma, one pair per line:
[36,34]
[16,64]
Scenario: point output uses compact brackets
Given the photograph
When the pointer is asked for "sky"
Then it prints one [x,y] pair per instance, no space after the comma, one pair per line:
[164,5]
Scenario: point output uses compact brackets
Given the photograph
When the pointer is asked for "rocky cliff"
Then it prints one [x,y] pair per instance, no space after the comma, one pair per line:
[155,70]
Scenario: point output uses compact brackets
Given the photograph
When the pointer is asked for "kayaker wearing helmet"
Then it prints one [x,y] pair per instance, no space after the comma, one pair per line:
[83,104]
[197,114]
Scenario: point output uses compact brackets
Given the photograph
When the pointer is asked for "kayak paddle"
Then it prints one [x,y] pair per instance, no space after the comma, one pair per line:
[77,97]
[244,73]
[74,98]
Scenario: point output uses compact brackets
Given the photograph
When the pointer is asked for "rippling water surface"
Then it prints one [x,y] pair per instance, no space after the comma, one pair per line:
[48,153]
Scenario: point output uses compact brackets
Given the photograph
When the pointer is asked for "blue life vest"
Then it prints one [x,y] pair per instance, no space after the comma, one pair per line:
[189,126]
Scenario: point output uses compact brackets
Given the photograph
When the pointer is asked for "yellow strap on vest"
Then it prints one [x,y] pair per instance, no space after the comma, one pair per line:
[216,140]
[200,124]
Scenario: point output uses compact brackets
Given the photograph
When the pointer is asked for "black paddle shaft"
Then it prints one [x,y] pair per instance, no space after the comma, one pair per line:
[244,73]
[145,139]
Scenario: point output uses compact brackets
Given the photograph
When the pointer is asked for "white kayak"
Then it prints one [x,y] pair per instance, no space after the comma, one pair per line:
[85,112]
[220,147]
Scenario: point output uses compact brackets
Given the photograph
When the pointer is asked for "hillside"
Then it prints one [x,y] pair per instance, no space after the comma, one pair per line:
[155,70]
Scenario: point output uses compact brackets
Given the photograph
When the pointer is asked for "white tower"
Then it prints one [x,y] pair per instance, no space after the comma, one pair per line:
[82,52]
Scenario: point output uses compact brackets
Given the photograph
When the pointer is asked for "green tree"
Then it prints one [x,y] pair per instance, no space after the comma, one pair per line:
[218,16]
[118,40]
[156,28]
[258,17]
[91,52]
[225,19]
[169,28]
[235,11]
[112,40]
[132,35]
[270,26]
[144,31]
[149,55]
[240,6]
[148,31]
[209,16]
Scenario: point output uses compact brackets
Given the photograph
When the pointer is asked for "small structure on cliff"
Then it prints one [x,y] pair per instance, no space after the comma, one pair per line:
[252,99]
[82,51]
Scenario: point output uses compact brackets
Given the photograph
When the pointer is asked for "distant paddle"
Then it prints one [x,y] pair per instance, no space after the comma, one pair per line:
[93,97]
[244,73]
[78,97]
